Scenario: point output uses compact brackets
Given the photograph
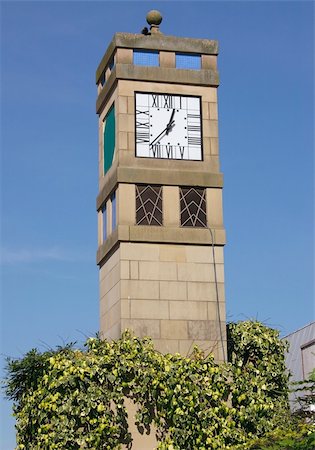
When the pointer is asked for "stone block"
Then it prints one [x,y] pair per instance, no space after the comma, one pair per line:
[201,291]
[213,310]
[206,329]
[113,333]
[109,264]
[134,270]
[195,272]
[213,111]
[124,270]
[123,140]
[171,208]
[167,59]
[114,314]
[187,310]
[149,309]
[139,441]
[121,105]
[199,253]
[125,308]
[214,132]
[149,270]
[110,298]
[131,144]
[126,202]
[207,146]
[200,329]
[214,146]
[110,280]
[209,62]
[142,327]
[139,251]
[173,290]
[175,253]
[140,289]
[131,105]
[214,207]
[125,122]
[174,329]
[205,110]
[210,128]
[167,345]
[123,55]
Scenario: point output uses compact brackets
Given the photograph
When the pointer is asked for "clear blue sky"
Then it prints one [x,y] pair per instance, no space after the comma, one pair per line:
[50,51]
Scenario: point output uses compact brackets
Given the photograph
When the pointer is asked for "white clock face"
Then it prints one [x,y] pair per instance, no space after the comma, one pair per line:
[168,126]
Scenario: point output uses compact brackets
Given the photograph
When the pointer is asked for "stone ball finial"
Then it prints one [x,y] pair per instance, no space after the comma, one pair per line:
[154,17]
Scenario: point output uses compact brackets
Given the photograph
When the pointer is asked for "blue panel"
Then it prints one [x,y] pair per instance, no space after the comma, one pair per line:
[114,221]
[104,223]
[188,61]
[146,58]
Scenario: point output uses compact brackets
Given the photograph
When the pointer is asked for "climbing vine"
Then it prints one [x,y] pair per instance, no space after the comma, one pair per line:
[76,399]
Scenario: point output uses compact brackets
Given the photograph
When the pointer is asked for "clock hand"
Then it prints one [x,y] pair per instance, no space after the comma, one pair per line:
[171,122]
[162,132]
[166,130]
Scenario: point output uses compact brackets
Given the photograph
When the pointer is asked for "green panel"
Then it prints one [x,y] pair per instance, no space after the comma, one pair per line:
[109,139]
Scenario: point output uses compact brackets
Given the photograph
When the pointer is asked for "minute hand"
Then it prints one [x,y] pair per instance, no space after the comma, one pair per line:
[162,132]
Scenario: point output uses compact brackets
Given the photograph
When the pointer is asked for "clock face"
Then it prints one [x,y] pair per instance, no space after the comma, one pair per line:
[168,126]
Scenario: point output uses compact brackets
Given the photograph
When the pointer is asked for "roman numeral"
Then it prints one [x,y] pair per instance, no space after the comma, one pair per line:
[145,125]
[156,149]
[169,151]
[155,100]
[143,137]
[138,112]
[181,151]
[193,116]
[194,128]
[168,101]
[194,140]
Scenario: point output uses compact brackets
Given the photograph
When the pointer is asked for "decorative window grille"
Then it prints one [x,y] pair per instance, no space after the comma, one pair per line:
[188,61]
[149,205]
[114,216]
[104,222]
[146,58]
[193,207]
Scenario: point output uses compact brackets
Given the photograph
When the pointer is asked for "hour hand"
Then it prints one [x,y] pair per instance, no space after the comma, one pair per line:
[171,122]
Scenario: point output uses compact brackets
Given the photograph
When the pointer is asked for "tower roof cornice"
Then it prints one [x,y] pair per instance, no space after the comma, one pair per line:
[157,41]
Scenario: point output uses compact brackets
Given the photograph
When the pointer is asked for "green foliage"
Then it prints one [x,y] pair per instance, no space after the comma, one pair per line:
[295,435]
[260,382]
[74,399]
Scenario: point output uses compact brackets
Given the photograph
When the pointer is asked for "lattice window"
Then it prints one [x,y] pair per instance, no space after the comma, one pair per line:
[193,207]
[149,205]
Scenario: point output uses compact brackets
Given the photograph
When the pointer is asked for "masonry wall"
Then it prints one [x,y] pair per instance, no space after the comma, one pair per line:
[167,292]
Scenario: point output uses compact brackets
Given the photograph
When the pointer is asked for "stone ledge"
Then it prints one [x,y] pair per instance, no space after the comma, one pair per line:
[202,77]
[154,234]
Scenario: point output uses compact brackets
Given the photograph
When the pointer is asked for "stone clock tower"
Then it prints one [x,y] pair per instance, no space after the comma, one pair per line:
[160,226]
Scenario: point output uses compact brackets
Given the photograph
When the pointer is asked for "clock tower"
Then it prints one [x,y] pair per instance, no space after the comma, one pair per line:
[160,225]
